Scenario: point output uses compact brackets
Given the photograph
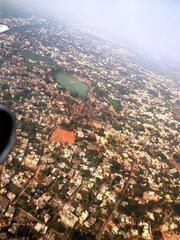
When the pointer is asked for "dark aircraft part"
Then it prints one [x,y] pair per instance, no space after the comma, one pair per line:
[7,132]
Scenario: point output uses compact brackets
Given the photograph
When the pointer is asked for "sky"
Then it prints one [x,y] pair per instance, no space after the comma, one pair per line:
[150,25]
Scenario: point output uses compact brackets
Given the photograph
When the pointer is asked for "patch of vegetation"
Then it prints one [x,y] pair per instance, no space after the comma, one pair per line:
[16,45]
[150,122]
[77,235]
[164,158]
[87,198]
[86,174]
[58,226]
[2,43]
[35,65]
[119,237]
[37,57]
[133,209]
[176,157]
[100,92]
[116,167]
[115,103]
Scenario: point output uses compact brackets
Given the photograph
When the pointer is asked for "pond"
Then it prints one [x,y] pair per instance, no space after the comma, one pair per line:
[70,83]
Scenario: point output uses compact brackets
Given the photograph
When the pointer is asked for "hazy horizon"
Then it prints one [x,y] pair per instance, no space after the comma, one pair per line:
[151,26]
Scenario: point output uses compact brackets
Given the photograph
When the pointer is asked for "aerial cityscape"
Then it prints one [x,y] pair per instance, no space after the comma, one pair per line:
[97,152]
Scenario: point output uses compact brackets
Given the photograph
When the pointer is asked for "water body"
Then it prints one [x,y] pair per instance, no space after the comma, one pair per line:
[70,83]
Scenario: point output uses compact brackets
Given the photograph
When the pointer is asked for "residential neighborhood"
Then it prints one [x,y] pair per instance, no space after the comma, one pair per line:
[97,161]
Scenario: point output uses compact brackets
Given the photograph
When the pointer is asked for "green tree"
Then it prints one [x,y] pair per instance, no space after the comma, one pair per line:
[87,198]
[116,167]
[119,237]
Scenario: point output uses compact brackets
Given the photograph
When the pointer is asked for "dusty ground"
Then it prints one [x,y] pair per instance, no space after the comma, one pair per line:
[63,136]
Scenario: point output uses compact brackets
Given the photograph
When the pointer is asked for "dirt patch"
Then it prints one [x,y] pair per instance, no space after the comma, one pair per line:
[63,136]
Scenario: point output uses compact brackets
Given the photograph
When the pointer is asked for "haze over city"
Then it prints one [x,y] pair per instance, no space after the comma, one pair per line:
[150,25]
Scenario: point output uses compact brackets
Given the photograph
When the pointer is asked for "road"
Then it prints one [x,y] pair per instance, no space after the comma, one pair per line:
[27,185]
[119,201]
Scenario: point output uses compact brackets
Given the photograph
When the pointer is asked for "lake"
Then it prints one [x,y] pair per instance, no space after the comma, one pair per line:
[70,83]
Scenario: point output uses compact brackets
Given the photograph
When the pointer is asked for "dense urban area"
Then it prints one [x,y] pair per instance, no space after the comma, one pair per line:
[96,153]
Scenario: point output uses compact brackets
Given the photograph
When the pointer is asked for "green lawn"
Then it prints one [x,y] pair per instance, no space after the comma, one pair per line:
[70,83]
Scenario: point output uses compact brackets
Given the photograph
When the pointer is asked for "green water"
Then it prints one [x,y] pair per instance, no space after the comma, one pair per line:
[70,83]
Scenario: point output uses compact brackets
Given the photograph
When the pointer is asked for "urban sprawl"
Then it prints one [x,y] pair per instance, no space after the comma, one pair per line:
[97,158]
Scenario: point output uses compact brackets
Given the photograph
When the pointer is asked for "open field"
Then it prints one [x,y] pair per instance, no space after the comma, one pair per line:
[63,136]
